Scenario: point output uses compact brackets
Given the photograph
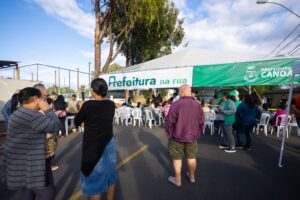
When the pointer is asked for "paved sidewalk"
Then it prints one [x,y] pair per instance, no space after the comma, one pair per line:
[240,176]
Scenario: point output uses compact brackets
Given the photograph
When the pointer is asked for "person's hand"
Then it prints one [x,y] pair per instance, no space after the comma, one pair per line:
[44,105]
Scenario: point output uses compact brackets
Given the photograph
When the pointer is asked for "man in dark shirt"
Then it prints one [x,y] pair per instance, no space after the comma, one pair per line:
[184,124]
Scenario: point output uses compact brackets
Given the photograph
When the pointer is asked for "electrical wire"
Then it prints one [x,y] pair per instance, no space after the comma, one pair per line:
[293,51]
[285,38]
[288,44]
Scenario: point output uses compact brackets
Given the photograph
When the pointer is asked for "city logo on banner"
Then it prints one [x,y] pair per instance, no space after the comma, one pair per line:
[251,74]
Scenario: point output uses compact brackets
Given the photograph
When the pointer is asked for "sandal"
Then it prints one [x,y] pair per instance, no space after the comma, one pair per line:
[172,180]
[189,178]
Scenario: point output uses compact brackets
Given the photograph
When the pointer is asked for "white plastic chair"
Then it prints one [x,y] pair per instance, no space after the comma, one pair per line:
[149,117]
[125,115]
[117,116]
[137,116]
[209,121]
[294,124]
[158,112]
[67,123]
[280,125]
[264,121]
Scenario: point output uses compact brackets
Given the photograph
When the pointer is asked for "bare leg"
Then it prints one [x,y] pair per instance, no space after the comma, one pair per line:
[95,197]
[192,168]
[177,164]
[110,193]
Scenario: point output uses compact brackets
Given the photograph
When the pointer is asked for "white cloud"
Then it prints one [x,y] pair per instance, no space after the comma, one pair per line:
[69,13]
[237,25]
[87,54]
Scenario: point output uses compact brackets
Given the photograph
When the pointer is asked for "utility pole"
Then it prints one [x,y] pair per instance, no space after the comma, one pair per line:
[55,81]
[37,72]
[31,76]
[58,80]
[78,80]
[89,74]
[69,79]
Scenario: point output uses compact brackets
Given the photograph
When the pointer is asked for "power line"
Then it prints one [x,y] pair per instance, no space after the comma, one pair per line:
[285,38]
[289,43]
[293,51]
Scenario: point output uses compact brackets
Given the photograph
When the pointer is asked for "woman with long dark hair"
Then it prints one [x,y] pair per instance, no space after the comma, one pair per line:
[98,164]
[14,103]
[247,116]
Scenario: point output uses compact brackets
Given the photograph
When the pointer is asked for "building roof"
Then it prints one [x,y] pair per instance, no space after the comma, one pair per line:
[7,64]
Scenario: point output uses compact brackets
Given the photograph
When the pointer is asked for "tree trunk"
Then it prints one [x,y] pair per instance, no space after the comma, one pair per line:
[97,40]
[136,95]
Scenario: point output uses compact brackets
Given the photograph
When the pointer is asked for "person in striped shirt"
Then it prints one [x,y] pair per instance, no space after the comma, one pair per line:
[25,166]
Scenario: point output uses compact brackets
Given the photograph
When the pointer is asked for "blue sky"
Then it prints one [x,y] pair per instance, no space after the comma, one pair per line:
[60,32]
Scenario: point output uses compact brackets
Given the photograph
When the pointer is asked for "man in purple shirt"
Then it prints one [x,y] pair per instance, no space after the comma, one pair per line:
[184,124]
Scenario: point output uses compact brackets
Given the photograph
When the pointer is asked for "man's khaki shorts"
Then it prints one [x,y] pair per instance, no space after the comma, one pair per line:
[177,149]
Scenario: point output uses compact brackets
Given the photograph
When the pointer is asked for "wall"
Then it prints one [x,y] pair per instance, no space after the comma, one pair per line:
[8,87]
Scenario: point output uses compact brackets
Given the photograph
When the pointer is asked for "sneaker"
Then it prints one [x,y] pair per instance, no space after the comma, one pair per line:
[239,147]
[222,146]
[230,150]
[54,167]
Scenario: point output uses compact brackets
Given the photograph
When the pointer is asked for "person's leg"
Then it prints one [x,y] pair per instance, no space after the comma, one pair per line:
[248,131]
[225,140]
[177,164]
[190,152]
[192,164]
[231,141]
[63,127]
[110,193]
[176,151]
[240,135]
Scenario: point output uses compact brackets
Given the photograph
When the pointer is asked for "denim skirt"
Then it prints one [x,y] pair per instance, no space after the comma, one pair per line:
[104,173]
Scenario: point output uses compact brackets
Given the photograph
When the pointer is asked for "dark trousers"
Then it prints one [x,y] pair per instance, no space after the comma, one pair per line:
[62,125]
[47,193]
[244,130]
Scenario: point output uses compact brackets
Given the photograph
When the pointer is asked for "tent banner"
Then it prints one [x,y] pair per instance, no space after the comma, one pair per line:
[268,72]
[163,78]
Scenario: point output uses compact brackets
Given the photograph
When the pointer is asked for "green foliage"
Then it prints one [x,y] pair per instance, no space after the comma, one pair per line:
[266,88]
[114,67]
[163,92]
[145,43]
[62,89]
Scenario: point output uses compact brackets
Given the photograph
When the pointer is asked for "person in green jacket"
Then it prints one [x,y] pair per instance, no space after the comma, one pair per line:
[227,109]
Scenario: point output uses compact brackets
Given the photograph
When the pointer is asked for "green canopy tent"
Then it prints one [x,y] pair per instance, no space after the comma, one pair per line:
[262,72]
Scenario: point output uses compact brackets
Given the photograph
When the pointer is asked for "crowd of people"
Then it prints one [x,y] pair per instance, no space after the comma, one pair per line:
[35,120]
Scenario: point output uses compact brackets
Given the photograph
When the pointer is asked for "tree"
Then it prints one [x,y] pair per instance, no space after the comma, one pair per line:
[141,45]
[114,67]
[166,32]
[114,21]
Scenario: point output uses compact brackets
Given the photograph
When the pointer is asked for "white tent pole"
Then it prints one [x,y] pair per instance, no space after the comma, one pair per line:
[286,121]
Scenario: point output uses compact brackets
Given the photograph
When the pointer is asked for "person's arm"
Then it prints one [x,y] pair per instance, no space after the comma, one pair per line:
[47,122]
[6,110]
[81,115]
[171,120]
[201,120]
[232,109]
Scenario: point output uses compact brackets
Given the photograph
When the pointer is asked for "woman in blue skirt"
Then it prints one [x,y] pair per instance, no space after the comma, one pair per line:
[98,163]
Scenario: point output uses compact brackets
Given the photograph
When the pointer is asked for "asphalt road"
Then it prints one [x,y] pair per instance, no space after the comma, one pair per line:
[241,176]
